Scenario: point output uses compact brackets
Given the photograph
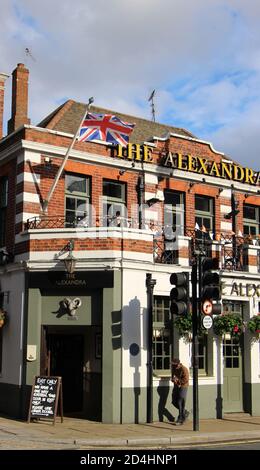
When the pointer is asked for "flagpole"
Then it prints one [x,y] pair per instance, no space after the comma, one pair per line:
[55,182]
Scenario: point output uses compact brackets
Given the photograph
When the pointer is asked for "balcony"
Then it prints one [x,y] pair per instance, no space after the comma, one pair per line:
[156,242]
[235,253]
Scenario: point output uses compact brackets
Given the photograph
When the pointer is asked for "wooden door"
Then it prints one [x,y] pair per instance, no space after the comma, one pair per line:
[233,383]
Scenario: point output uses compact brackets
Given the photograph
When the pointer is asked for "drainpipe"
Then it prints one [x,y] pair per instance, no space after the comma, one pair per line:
[140,197]
[150,283]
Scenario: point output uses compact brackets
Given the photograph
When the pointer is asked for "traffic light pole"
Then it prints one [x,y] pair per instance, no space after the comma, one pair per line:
[195,345]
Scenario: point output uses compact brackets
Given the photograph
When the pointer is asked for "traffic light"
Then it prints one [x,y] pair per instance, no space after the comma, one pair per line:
[210,286]
[179,295]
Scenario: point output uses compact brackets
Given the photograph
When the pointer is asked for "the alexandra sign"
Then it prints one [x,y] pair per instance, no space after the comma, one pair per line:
[192,163]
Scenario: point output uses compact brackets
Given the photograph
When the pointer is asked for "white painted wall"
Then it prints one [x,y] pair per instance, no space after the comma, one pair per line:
[134,328]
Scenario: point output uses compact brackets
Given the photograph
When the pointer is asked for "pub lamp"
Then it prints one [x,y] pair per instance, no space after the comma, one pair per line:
[70,261]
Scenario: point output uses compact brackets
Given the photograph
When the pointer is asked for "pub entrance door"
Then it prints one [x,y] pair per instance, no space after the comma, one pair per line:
[233,364]
[233,383]
[63,357]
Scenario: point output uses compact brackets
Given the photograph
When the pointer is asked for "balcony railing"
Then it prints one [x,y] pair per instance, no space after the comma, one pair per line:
[232,250]
[59,222]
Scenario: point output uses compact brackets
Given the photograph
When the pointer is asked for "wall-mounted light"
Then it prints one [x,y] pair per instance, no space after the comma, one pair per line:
[48,161]
[70,261]
[122,172]
[5,257]
[220,190]
[152,201]
[246,195]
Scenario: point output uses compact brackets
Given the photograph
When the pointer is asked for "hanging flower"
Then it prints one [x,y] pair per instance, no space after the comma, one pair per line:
[254,324]
[184,325]
[2,316]
[228,323]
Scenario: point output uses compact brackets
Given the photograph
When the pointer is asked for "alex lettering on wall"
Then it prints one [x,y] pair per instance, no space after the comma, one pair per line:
[241,290]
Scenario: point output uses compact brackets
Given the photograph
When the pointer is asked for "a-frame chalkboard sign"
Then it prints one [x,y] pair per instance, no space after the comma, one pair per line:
[46,395]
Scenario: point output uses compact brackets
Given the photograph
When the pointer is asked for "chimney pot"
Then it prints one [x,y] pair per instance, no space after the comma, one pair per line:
[19,98]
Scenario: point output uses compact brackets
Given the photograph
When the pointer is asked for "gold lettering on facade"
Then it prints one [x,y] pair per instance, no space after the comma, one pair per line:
[249,175]
[194,164]
[168,161]
[180,162]
[215,170]
[147,153]
[238,173]
[203,165]
[134,152]
[226,170]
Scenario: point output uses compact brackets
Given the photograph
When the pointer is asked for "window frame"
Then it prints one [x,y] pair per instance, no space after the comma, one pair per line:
[251,223]
[162,327]
[111,204]
[177,210]
[77,196]
[205,215]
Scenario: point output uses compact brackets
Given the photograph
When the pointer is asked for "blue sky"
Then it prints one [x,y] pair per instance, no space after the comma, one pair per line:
[201,56]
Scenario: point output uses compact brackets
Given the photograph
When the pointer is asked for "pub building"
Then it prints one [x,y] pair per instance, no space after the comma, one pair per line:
[84,274]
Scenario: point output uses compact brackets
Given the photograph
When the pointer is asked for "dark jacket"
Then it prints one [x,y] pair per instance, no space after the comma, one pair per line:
[180,376]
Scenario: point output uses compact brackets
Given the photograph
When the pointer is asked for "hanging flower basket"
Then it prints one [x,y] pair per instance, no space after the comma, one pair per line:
[2,317]
[184,325]
[254,325]
[228,323]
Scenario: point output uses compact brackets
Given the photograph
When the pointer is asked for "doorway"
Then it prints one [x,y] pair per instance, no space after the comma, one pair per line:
[75,355]
[63,356]
[233,364]
[233,383]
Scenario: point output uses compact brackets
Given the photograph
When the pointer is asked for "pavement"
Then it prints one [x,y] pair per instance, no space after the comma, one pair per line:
[83,434]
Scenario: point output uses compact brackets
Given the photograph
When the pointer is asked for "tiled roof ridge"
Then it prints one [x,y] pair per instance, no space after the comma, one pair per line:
[111,111]
[59,114]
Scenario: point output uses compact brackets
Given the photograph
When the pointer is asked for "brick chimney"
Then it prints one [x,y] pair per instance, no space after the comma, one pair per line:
[19,98]
[3,77]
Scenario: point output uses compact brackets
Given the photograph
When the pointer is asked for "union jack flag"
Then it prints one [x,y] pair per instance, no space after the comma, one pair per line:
[105,127]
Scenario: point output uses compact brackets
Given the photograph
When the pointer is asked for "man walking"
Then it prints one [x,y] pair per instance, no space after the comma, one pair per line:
[180,378]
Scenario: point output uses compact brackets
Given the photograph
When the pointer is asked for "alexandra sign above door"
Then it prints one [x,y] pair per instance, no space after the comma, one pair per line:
[191,163]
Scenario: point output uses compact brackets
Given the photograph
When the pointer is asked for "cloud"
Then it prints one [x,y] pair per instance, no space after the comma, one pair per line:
[202,57]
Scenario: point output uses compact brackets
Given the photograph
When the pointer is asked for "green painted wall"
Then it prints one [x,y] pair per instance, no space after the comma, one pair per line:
[34,332]
[111,365]
[45,309]
[255,411]
[163,409]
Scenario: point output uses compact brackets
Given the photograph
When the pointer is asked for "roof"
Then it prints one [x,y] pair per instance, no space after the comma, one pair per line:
[66,118]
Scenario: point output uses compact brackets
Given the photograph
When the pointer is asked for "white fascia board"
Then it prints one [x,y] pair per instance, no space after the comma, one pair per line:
[51,256]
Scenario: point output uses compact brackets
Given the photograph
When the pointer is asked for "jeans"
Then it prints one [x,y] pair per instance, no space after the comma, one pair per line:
[179,395]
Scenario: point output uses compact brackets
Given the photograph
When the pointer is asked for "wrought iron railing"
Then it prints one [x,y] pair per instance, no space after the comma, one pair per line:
[232,249]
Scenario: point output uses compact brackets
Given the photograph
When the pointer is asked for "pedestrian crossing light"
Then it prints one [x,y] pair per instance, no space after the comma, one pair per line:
[210,285]
[179,295]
